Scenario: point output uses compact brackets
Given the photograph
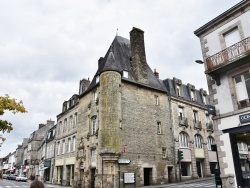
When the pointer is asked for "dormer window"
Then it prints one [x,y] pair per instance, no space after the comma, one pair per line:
[178,90]
[192,95]
[125,74]
[204,99]
[97,79]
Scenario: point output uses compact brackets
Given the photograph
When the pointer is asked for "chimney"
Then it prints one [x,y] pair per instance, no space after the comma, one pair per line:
[156,73]
[139,63]
[84,84]
[41,125]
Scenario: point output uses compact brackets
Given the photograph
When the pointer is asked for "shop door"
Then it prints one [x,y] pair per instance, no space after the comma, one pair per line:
[92,176]
[198,166]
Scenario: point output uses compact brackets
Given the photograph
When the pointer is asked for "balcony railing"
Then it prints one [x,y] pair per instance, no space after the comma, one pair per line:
[210,126]
[197,125]
[229,54]
[183,121]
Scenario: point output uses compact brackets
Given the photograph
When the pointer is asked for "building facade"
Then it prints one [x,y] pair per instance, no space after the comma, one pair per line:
[65,154]
[225,45]
[192,128]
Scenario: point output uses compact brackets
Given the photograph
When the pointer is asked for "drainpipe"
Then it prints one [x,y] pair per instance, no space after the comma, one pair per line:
[172,129]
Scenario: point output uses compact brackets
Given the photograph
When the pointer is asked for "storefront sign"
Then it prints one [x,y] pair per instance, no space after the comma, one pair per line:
[129,177]
[199,153]
[245,118]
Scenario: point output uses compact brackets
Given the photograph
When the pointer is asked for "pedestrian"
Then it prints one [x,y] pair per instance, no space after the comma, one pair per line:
[37,184]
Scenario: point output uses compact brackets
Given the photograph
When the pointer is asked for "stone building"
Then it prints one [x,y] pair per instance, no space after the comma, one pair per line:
[46,156]
[31,158]
[123,130]
[65,154]
[192,128]
[225,45]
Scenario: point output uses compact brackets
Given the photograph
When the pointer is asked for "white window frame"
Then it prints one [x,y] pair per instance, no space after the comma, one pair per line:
[63,147]
[241,88]
[74,144]
[58,148]
[198,141]
[210,141]
[183,140]
[125,74]
[181,113]
[69,144]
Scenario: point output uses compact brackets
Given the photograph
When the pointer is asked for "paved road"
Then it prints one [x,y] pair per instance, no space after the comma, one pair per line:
[14,184]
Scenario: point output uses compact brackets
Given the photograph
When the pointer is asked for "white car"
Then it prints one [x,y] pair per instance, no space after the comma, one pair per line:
[21,178]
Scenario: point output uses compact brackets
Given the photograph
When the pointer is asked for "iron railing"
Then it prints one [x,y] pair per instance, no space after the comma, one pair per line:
[229,54]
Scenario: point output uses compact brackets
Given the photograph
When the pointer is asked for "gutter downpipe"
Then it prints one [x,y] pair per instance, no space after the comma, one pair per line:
[171,127]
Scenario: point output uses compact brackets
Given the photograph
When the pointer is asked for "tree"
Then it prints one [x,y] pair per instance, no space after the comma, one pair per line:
[6,103]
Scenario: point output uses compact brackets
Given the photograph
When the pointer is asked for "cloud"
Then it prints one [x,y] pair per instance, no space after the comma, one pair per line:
[47,46]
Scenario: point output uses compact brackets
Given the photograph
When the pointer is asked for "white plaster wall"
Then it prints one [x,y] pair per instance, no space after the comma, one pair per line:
[213,42]
[225,102]
[229,157]
[229,122]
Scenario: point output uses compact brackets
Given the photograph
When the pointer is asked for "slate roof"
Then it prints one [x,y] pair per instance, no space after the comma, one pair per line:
[118,58]
[169,83]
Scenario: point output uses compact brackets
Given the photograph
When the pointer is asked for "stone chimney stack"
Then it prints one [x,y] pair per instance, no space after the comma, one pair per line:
[139,62]
[84,84]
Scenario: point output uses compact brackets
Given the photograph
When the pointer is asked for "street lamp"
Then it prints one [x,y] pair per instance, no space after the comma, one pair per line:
[199,61]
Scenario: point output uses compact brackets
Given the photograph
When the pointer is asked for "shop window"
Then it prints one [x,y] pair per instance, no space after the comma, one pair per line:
[183,140]
[186,168]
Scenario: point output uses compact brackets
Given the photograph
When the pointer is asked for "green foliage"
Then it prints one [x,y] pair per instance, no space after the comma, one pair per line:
[6,103]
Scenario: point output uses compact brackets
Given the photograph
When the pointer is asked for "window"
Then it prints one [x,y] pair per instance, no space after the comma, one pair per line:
[156,100]
[94,125]
[29,146]
[65,124]
[47,152]
[58,148]
[159,128]
[207,119]
[75,120]
[232,37]
[74,143]
[198,141]
[93,157]
[183,140]
[210,141]
[242,147]
[195,116]
[181,115]
[69,144]
[178,90]
[242,85]
[63,147]
[60,127]
[186,169]
[71,121]
[192,95]
[164,153]
[95,96]
[125,74]
[97,79]
[204,99]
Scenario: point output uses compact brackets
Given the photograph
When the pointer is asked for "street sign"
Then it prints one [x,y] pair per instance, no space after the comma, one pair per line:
[123,161]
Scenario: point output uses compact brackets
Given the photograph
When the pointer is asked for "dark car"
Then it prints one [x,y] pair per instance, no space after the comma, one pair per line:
[12,177]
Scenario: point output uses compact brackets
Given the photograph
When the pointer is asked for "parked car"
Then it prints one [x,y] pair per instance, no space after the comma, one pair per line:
[21,178]
[12,177]
[5,176]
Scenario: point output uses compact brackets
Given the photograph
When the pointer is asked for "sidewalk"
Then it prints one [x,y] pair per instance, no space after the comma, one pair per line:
[182,182]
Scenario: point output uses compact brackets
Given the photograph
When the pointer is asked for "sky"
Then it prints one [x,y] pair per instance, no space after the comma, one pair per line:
[47,47]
